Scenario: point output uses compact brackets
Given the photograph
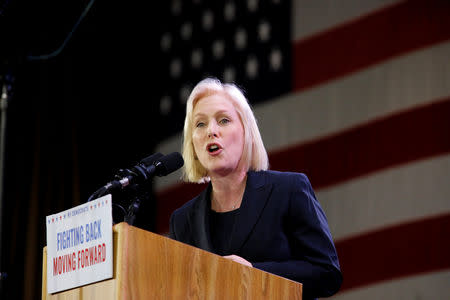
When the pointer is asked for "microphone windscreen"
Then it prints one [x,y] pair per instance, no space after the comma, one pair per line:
[170,163]
[148,161]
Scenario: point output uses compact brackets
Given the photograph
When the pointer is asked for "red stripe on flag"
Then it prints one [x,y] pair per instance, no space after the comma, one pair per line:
[377,37]
[403,250]
[415,134]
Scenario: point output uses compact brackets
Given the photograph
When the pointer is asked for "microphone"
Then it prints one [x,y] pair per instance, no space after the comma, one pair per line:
[153,165]
[137,174]
[168,164]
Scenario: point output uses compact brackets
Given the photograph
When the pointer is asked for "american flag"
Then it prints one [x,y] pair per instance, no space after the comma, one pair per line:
[355,94]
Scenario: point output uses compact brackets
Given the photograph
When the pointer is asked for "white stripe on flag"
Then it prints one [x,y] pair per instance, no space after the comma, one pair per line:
[392,196]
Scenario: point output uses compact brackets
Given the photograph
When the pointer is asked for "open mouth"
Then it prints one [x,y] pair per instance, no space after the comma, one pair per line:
[213,148]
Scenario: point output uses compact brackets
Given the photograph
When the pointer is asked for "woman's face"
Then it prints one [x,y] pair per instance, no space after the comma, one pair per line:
[218,134]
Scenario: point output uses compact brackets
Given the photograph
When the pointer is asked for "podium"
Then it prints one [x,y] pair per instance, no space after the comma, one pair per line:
[151,266]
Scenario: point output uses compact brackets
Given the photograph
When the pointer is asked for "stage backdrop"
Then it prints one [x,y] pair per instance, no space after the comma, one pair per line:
[357,98]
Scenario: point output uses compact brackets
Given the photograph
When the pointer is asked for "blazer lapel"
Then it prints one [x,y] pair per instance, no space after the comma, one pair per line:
[257,192]
[199,220]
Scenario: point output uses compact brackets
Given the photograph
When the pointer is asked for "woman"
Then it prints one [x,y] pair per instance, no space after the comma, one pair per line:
[266,219]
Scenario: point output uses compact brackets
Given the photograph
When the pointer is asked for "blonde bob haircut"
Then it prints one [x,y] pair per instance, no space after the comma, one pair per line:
[254,154]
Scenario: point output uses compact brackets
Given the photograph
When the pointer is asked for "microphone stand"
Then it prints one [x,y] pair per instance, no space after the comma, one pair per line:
[134,207]
[3,106]
[130,217]
[138,195]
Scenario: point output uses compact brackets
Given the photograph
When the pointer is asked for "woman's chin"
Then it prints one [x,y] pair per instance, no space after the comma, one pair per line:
[221,171]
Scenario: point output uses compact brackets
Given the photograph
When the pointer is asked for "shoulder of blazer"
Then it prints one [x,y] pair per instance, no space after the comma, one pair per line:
[280,179]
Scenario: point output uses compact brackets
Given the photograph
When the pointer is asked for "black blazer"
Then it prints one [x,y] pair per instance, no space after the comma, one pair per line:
[280,228]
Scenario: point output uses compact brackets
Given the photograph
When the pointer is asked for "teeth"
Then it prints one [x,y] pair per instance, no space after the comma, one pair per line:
[213,147]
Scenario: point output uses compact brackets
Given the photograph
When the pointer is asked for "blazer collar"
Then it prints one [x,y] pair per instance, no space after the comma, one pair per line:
[199,220]
[256,194]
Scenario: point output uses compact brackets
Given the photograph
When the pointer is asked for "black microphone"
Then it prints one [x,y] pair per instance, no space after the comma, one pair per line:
[137,174]
[167,164]
[154,165]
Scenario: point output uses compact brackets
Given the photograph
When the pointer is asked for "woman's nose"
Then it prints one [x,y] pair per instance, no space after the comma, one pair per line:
[212,130]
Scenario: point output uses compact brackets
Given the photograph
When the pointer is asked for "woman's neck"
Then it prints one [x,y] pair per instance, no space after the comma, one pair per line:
[227,191]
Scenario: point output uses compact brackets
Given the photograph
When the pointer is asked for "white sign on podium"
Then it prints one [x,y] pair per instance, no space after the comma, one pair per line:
[79,245]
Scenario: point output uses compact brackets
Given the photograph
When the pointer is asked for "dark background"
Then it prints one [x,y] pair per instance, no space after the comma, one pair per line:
[85,100]
[72,120]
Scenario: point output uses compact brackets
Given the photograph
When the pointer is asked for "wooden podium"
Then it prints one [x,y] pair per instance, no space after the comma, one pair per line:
[151,266]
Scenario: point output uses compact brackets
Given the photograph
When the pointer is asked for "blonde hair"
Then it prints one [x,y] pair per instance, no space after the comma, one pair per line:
[254,154]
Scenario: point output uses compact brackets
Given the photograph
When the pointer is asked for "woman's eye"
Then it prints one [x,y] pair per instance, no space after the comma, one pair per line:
[200,124]
[224,121]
